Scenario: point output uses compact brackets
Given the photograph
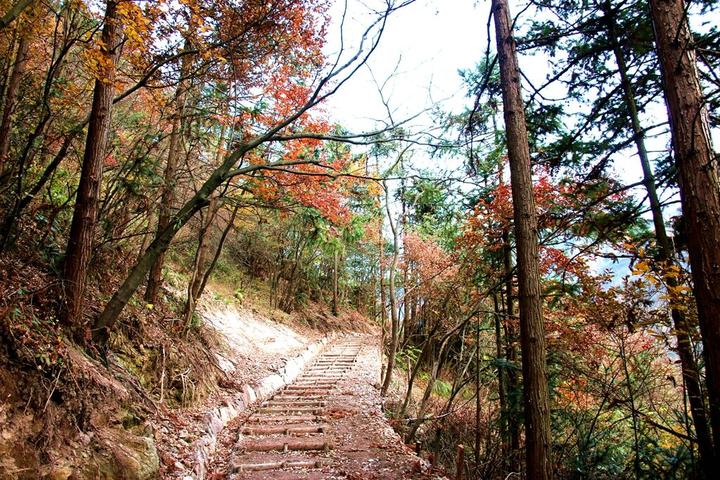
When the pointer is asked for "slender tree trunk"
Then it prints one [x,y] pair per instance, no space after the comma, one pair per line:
[16,9]
[511,357]
[633,409]
[403,229]
[438,361]
[383,300]
[169,178]
[682,327]
[82,229]
[201,257]
[499,355]
[218,250]
[335,283]
[477,390]
[699,181]
[532,331]
[394,320]
[415,371]
[13,85]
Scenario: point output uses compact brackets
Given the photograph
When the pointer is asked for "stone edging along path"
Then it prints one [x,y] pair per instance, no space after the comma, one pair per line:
[218,417]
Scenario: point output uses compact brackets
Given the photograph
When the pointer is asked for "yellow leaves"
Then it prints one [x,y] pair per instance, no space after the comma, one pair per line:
[134,23]
[679,290]
[640,268]
[97,62]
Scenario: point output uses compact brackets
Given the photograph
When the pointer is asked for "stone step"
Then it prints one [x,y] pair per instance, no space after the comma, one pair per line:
[291,409]
[275,419]
[311,386]
[290,396]
[298,429]
[284,444]
[274,402]
[278,465]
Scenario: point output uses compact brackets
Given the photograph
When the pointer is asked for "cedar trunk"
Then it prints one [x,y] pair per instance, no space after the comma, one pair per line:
[682,327]
[532,332]
[698,178]
[82,230]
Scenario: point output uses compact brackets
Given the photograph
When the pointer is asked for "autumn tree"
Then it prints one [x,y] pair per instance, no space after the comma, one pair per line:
[297,100]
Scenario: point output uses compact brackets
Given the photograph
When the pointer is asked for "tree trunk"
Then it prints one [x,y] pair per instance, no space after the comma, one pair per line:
[532,331]
[383,300]
[201,256]
[511,357]
[438,361]
[335,283]
[682,327]
[699,180]
[394,320]
[499,355]
[218,250]
[82,230]
[501,391]
[169,179]
[13,85]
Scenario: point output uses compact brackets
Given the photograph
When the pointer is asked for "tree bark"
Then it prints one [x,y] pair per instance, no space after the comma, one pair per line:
[169,178]
[513,406]
[13,85]
[532,331]
[82,230]
[682,327]
[201,254]
[394,320]
[699,180]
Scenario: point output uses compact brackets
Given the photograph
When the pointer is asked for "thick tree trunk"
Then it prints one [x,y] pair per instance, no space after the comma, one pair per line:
[13,85]
[82,230]
[682,327]
[699,180]
[532,331]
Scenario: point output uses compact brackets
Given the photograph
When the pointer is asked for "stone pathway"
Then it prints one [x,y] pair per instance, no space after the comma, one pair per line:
[326,425]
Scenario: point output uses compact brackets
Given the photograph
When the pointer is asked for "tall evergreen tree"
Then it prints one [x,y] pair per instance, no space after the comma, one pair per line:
[532,332]
[699,178]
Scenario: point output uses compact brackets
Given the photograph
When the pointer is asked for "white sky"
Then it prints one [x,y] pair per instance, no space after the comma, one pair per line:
[429,41]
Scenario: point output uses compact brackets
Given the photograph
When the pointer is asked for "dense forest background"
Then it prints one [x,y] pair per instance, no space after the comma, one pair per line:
[534,305]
